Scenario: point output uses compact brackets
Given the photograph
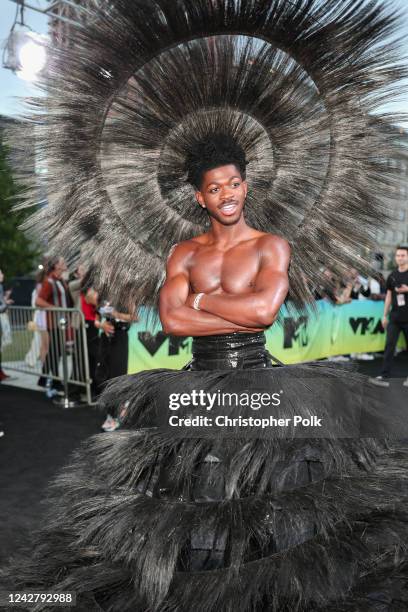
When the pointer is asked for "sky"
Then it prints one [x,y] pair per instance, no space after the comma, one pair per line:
[12,87]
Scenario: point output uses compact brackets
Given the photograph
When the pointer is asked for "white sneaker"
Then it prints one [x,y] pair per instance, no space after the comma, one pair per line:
[113,426]
[405,383]
[338,358]
[108,423]
[50,393]
[380,381]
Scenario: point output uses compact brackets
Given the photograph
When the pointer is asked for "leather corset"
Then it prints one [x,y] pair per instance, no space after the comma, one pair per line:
[228,351]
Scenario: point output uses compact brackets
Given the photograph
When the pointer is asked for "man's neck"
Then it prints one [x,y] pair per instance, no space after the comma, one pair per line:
[229,234]
[403,268]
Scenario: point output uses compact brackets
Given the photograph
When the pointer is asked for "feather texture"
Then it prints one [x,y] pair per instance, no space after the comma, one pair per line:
[304,525]
[296,82]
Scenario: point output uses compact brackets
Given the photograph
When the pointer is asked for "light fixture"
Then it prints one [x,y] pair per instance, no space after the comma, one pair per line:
[24,51]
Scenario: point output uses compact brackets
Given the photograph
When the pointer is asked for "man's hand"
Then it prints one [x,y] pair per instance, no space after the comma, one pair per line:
[384,322]
[402,289]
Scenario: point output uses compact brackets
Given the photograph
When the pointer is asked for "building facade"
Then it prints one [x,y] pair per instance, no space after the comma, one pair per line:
[388,238]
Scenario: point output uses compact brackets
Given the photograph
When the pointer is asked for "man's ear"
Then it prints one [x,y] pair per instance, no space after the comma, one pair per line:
[200,199]
[245,184]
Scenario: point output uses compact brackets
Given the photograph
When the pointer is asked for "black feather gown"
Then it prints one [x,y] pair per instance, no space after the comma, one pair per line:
[143,520]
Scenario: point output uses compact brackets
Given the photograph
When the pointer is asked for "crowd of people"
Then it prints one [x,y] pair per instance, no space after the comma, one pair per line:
[393,291]
[343,290]
[351,287]
[106,333]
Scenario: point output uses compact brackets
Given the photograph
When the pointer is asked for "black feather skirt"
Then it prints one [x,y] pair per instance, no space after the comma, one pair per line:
[160,518]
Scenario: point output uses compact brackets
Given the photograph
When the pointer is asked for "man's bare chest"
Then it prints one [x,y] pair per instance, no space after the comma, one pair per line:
[233,271]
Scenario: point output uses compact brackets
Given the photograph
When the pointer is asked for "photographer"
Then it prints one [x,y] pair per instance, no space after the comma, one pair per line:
[113,351]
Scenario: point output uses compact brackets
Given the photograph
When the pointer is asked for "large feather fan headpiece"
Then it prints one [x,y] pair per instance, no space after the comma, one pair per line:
[296,83]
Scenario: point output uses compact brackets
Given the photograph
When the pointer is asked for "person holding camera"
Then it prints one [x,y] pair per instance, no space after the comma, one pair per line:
[113,352]
[396,306]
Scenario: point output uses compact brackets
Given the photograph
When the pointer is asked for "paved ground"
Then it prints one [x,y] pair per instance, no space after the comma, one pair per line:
[38,439]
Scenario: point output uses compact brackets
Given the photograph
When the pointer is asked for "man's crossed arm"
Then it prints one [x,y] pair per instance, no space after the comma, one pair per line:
[260,307]
[220,314]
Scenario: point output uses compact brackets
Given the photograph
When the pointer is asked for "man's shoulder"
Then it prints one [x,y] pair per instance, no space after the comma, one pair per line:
[274,251]
[273,242]
[398,277]
[194,243]
[185,246]
[180,252]
[392,279]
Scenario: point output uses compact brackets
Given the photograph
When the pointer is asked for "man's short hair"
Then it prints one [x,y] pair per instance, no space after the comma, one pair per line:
[213,152]
[402,248]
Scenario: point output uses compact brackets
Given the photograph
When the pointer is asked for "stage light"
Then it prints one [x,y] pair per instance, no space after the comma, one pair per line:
[33,57]
[25,54]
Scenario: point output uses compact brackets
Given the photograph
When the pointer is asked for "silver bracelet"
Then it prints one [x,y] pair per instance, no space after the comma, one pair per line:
[197,300]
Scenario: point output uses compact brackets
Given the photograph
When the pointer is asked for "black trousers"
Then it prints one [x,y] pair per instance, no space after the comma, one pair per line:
[394,329]
[92,338]
[113,356]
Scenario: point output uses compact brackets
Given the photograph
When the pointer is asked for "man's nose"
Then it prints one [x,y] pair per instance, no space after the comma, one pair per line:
[226,194]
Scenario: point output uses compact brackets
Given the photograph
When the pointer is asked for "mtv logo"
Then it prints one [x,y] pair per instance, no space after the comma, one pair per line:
[153,342]
[295,330]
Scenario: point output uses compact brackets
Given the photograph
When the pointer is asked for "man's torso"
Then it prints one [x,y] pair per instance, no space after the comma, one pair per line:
[233,270]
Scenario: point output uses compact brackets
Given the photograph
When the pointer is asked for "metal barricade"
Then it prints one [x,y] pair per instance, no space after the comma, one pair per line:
[50,342]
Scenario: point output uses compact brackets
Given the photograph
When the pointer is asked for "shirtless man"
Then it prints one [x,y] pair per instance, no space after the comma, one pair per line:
[233,278]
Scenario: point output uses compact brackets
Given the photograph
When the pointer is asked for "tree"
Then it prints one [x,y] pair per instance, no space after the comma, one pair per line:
[18,253]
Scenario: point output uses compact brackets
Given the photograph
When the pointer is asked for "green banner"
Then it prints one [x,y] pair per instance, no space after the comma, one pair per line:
[331,330]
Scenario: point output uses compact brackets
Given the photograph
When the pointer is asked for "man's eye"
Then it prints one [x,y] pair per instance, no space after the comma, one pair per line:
[236,184]
[213,190]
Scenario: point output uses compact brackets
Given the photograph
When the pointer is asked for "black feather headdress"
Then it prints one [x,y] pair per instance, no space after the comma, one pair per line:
[297,83]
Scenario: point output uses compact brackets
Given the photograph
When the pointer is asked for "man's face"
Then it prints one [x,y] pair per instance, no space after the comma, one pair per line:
[401,257]
[223,193]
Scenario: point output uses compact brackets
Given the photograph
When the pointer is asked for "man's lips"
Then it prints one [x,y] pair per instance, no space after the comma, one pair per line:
[229,208]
